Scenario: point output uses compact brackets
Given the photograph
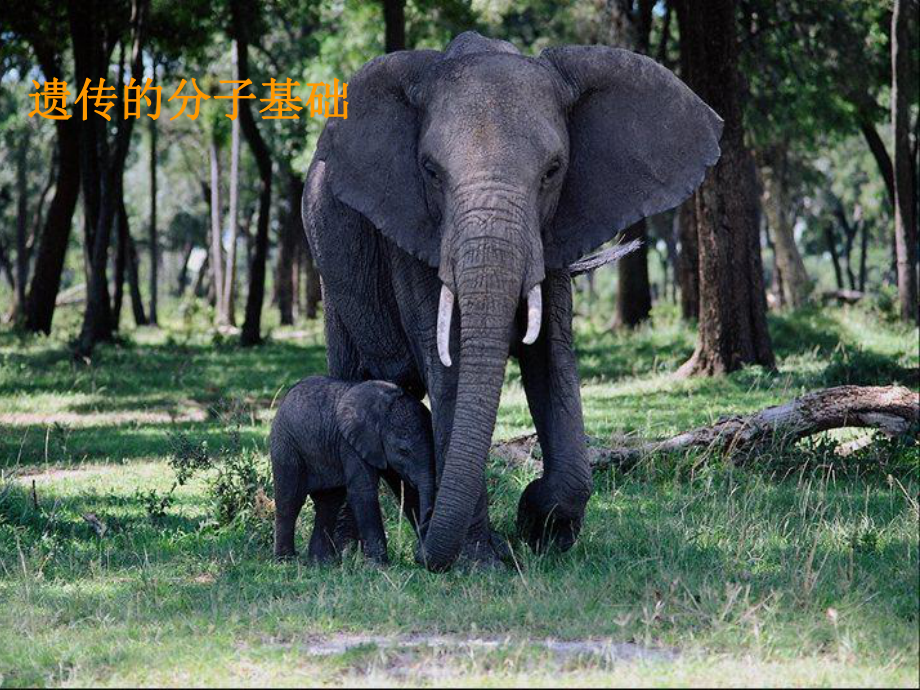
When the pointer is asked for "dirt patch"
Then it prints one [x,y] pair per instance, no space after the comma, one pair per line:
[42,474]
[103,418]
[563,650]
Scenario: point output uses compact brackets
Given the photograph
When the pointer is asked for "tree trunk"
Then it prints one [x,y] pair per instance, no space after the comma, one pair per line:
[153,239]
[182,278]
[671,242]
[217,258]
[880,154]
[634,299]
[22,216]
[776,284]
[831,241]
[796,285]
[121,253]
[53,238]
[52,248]
[230,272]
[102,164]
[131,261]
[905,228]
[7,267]
[394,20]
[863,254]
[688,272]
[201,283]
[291,235]
[251,331]
[733,325]
[630,28]
[688,262]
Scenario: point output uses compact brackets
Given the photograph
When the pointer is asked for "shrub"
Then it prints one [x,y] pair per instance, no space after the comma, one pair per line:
[237,482]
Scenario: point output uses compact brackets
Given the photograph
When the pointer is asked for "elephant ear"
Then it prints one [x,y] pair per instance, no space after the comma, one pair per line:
[371,156]
[362,417]
[640,142]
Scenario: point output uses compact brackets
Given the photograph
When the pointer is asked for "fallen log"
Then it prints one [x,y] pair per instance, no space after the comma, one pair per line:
[842,296]
[893,410]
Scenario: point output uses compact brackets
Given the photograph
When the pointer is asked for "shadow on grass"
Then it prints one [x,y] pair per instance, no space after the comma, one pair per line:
[141,370]
[810,329]
[60,446]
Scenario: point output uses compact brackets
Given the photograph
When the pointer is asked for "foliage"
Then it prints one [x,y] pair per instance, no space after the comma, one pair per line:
[237,482]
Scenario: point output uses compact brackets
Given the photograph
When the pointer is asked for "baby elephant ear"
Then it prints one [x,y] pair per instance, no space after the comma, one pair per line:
[640,142]
[362,416]
[372,155]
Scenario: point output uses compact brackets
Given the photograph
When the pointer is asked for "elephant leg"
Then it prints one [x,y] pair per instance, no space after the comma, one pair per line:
[552,507]
[345,533]
[342,357]
[290,494]
[327,505]
[364,501]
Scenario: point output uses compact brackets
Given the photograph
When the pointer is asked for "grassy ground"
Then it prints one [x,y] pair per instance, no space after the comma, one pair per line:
[799,570]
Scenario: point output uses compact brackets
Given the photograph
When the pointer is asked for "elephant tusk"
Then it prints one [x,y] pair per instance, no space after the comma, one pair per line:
[445,312]
[534,314]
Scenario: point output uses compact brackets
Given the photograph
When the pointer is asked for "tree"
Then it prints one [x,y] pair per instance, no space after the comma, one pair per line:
[230,271]
[22,217]
[905,221]
[291,234]
[688,262]
[241,18]
[43,26]
[776,170]
[803,67]
[733,327]
[126,267]
[688,258]
[216,235]
[394,20]
[630,25]
[102,160]
[152,232]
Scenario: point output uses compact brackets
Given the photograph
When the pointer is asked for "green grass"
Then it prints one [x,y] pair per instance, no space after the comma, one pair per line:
[801,569]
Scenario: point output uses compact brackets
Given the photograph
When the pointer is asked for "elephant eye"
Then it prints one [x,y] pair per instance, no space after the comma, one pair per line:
[550,173]
[431,172]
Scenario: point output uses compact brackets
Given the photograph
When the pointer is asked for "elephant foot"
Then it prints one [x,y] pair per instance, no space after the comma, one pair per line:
[485,554]
[285,556]
[543,523]
[484,551]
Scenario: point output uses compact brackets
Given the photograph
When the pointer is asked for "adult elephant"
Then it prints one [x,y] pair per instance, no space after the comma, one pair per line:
[443,214]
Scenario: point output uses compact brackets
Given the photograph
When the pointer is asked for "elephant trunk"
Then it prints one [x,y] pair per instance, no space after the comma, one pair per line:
[425,485]
[491,269]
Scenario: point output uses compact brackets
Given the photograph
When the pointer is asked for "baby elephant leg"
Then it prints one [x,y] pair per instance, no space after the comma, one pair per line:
[365,505]
[290,495]
[327,506]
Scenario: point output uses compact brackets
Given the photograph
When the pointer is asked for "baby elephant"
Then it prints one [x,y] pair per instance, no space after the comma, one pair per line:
[332,440]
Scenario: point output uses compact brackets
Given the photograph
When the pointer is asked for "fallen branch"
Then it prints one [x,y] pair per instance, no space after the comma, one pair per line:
[893,410]
[842,296]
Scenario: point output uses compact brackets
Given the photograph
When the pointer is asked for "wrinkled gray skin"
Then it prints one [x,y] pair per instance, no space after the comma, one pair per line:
[333,440]
[489,173]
